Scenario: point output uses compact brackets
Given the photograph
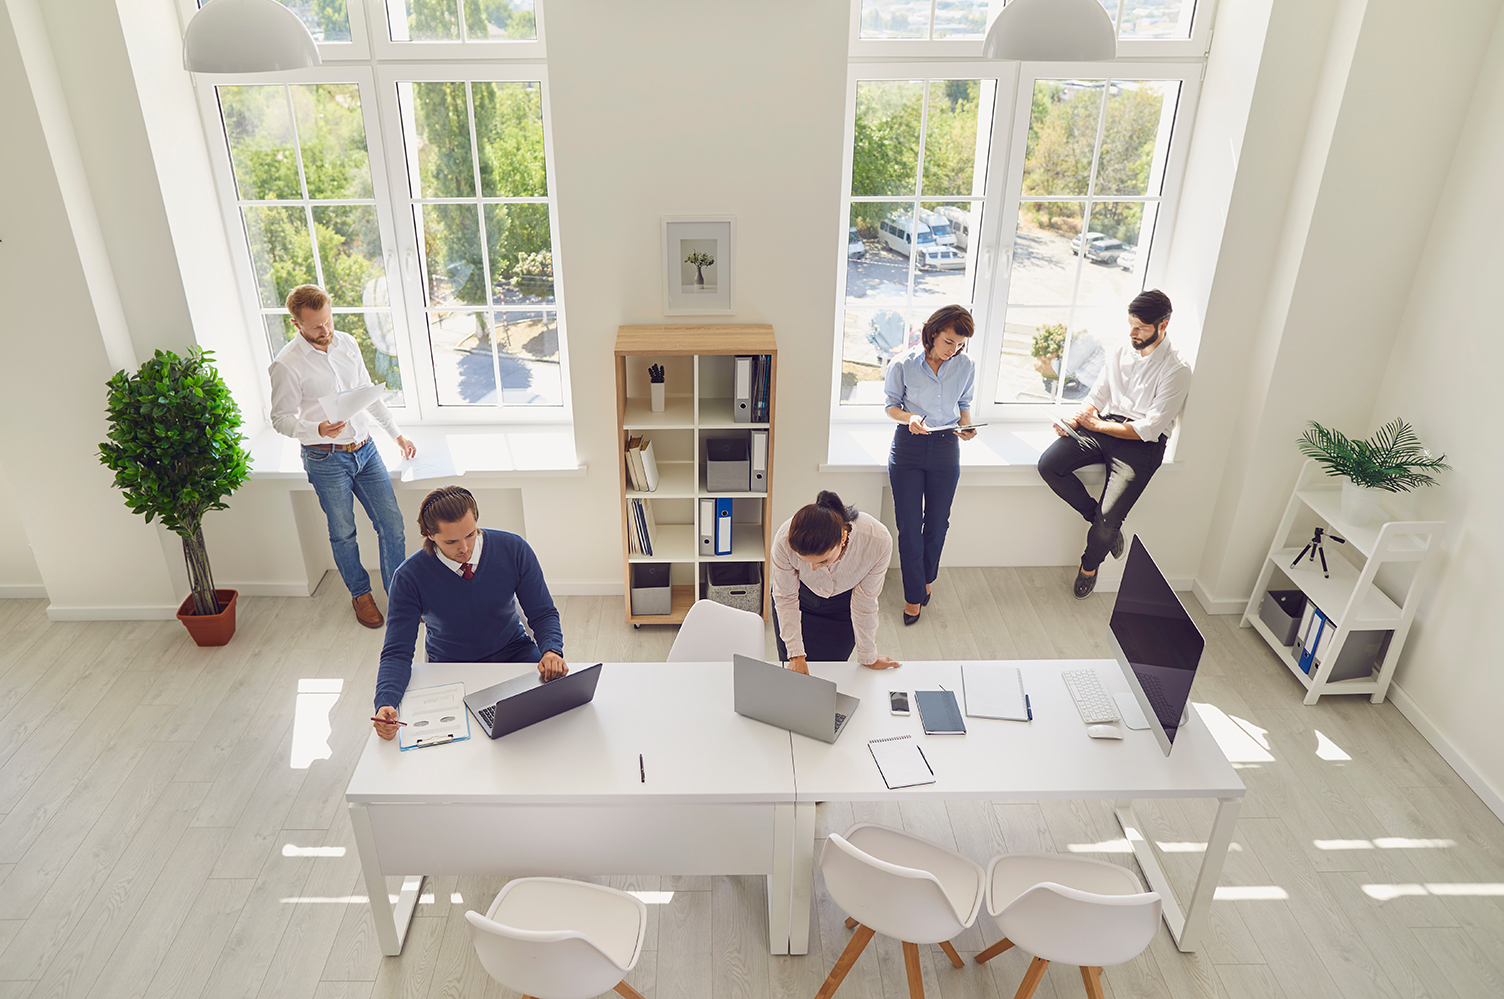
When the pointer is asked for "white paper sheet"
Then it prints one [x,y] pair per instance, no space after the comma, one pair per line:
[342,405]
[434,715]
[901,762]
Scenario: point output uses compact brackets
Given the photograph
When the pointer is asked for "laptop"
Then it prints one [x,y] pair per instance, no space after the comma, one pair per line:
[527,699]
[768,693]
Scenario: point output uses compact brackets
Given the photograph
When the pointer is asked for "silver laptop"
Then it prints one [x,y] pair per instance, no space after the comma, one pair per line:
[526,700]
[788,699]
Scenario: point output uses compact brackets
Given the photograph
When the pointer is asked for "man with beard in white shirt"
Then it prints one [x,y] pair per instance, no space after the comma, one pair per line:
[1124,425]
[340,458]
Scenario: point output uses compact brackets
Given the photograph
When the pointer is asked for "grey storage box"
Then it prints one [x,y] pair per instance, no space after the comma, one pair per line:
[1281,612]
[1360,655]
[651,591]
[728,467]
[735,584]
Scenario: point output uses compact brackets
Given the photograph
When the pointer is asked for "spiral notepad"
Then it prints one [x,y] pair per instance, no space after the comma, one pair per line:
[901,762]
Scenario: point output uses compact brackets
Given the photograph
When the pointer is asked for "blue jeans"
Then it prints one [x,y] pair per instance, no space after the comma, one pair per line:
[340,476]
[923,470]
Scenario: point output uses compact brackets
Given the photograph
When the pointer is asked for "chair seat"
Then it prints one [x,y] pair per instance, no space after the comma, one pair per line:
[962,880]
[612,922]
[1015,873]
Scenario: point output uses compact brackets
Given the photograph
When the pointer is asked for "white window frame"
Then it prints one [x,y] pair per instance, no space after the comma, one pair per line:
[476,48]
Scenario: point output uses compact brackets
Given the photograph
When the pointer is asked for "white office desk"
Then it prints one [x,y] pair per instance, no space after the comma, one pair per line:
[565,796]
[1050,757]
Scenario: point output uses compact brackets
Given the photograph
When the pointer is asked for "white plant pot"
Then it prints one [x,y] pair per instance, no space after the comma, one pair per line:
[657,389]
[1359,503]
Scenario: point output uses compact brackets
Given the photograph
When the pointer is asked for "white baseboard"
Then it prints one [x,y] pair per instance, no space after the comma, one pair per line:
[1212,605]
[609,589]
[22,591]
[1455,758]
[270,589]
[164,612]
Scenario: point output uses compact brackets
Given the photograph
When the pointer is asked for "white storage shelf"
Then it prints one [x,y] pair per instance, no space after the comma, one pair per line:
[1347,595]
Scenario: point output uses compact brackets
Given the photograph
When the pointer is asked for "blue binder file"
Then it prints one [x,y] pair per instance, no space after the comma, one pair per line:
[723,526]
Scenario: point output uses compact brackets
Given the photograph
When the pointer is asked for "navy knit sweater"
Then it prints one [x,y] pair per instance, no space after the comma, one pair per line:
[467,621]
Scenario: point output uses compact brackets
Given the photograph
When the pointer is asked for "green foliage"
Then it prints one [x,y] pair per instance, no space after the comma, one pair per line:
[1049,341]
[1392,460]
[699,259]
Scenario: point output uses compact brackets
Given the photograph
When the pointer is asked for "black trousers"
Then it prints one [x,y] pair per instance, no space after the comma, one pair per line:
[1130,466]
[826,625]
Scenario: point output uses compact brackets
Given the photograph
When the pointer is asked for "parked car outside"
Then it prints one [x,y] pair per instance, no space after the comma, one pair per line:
[939,258]
[1105,251]
[1088,239]
[1128,259]
[855,248]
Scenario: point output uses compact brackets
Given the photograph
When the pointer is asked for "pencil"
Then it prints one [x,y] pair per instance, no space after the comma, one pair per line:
[388,721]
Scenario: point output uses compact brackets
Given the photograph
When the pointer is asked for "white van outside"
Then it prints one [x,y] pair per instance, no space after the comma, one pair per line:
[940,226]
[928,254]
[960,224]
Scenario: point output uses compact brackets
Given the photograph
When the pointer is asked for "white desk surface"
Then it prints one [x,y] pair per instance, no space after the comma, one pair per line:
[696,749]
[1050,757]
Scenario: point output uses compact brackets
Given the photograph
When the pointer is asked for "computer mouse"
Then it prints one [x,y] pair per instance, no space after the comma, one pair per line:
[1104,731]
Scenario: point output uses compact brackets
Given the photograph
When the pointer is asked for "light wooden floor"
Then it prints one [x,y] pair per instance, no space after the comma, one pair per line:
[155,841]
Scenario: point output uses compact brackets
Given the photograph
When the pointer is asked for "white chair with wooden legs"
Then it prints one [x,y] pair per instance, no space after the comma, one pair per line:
[713,632]
[1069,909]
[549,938]
[901,886]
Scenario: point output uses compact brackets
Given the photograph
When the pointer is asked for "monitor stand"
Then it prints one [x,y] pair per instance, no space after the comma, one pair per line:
[1133,715]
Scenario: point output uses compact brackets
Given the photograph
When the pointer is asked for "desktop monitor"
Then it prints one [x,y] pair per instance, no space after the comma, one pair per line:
[1157,644]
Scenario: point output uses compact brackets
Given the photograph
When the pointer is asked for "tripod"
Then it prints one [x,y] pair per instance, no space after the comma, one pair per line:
[1315,548]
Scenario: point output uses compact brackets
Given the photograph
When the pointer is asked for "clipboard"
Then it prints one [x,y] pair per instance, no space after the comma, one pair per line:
[434,716]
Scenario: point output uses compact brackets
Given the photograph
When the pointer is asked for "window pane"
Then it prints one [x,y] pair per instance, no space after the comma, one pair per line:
[527,347]
[960,18]
[498,19]
[881,272]
[951,151]
[281,255]
[1044,255]
[464,371]
[279,330]
[425,20]
[1062,136]
[522,263]
[327,20]
[1138,120]
[259,129]
[451,255]
[1094,331]
[509,131]
[1115,227]
[442,119]
[871,338]
[333,139]
[942,269]
[885,149]
[350,251]
[381,362]
[1157,19]
[1033,340]
[895,18]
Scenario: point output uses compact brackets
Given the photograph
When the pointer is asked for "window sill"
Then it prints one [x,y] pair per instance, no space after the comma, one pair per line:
[999,455]
[451,452]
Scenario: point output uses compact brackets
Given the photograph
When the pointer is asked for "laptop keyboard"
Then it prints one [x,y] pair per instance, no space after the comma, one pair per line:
[840,720]
[488,715]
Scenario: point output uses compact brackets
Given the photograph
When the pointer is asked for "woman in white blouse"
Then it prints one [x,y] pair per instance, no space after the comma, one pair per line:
[829,564]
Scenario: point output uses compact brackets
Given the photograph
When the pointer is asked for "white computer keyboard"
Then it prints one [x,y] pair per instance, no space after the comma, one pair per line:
[1094,703]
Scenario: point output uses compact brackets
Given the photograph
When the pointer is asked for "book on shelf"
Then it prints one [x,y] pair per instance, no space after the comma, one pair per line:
[642,467]
[641,527]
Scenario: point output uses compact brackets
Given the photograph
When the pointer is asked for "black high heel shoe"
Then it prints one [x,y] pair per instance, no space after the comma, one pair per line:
[926,601]
[909,619]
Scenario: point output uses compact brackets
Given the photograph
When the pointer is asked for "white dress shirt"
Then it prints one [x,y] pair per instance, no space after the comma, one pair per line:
[301,374]
[458,568]
[1149,391]
[862,568]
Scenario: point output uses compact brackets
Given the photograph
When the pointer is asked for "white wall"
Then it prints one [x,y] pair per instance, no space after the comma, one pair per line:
[18,567]
[1445,356]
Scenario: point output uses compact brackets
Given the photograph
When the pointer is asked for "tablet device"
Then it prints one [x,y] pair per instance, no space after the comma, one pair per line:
[955,426]
[1069,430]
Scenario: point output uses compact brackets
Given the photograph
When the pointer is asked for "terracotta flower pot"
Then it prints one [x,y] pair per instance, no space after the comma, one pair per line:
[210,629]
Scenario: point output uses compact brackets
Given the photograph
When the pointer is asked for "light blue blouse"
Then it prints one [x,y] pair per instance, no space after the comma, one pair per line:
[913,386]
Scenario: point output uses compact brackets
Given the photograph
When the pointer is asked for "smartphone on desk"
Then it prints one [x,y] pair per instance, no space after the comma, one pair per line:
[898,702]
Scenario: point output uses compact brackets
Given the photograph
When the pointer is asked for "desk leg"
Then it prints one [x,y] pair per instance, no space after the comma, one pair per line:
[802,879]
[391,921]
[790,883]
[1186,928]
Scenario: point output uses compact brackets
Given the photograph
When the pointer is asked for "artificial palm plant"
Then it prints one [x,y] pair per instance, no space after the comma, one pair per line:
[1393,459]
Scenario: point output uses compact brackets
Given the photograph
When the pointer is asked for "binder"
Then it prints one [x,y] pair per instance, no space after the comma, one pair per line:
[759,483]
[707,526]
[635,473]
[649,465]
[764,388]
[741,409]
[1315,636]
[723,527]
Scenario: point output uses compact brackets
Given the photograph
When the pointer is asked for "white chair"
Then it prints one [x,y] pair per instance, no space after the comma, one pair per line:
[549,938]
[901,886]
[1069,909]
[712,632]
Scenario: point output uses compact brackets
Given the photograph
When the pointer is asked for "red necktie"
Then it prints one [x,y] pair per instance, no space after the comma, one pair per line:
[466,571]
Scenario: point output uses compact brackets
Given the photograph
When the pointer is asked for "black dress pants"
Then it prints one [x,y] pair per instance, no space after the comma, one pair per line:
[826,625]
[1130,465]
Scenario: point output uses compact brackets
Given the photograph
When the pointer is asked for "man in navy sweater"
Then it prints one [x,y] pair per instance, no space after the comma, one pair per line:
[462,587]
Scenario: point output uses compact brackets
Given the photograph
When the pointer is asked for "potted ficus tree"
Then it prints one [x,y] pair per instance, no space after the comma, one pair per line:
[1392,460]
[1049,342]
[175,449]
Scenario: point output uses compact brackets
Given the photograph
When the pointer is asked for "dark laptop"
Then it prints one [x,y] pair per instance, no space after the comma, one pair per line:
[527,699]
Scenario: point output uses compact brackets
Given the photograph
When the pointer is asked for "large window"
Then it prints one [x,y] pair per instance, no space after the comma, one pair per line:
[1036,195]
[419,195]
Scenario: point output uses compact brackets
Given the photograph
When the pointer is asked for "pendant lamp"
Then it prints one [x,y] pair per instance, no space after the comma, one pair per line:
[247,36]
[1050,31]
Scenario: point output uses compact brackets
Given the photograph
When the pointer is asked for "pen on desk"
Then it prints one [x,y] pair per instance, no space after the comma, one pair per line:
[388,721]
[642,772]
[1028,707]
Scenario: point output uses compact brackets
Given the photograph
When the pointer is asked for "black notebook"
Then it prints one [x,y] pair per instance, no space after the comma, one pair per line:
[939,712]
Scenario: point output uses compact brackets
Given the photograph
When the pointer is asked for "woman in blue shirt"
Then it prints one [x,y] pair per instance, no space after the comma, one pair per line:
[930,385]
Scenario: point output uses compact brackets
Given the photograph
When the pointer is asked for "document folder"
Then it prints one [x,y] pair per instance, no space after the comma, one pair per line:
[759,483]
[742,391]
[707,526]
[723,527]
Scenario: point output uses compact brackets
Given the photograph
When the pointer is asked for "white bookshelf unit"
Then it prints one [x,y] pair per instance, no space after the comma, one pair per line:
[1377,594]
[698,363]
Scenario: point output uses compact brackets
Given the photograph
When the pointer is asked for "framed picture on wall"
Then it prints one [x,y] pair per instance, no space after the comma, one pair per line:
[699,263]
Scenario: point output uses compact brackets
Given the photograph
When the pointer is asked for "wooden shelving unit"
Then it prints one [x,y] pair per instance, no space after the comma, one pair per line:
[698,407]
[1351,596]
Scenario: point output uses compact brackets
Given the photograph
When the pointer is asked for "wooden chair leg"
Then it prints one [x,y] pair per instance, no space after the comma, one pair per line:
[850,923]
[994,950]
[950,952]
[845,961]
[911,965]
[1032,978]
[1092,978]
[626,991]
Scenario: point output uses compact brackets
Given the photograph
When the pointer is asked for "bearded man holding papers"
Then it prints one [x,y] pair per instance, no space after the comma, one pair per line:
[339,456]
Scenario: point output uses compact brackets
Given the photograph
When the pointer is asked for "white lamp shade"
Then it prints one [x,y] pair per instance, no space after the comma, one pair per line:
[247,36]
[1050,31]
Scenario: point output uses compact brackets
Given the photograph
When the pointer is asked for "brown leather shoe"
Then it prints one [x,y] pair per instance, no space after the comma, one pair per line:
[366,611]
